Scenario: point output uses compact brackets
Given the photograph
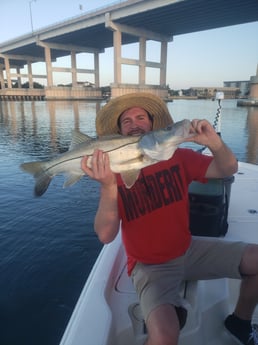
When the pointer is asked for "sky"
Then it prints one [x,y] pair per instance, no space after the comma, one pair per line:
[205,58]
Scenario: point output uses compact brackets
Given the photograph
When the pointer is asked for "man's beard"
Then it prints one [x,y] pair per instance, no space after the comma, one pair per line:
[136,132]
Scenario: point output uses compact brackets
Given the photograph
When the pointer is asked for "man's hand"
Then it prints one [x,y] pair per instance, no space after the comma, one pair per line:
[100,168]
[204,134]
[224,162]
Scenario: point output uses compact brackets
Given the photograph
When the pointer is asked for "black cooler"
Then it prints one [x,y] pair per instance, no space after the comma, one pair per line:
[209,204]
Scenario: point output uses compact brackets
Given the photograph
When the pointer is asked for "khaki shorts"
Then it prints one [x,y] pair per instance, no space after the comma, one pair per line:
[206,258]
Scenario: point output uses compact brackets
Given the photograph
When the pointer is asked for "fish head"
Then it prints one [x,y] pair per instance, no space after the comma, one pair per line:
[161,144]
[179,129]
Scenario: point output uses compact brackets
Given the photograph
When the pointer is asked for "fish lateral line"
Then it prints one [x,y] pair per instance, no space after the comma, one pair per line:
[86,155]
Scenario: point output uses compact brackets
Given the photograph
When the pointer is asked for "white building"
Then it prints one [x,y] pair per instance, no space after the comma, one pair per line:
[242,85]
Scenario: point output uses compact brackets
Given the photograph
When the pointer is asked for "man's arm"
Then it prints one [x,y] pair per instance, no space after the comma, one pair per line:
[107,221]
[224,162]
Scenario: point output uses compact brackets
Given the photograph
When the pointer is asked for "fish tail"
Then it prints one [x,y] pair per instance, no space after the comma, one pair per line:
[42,179]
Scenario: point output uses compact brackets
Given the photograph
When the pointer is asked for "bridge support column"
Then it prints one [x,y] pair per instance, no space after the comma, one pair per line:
[8,72]
[76,91]
[73,69]
[18,75]
[30,75]
[163,63]
[117,41]
[118,87]
[142,62]
[19,82]
[96,69]
[2,83]
[48,66]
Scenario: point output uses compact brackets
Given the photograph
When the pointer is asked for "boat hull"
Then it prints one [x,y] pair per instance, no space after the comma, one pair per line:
[107,311]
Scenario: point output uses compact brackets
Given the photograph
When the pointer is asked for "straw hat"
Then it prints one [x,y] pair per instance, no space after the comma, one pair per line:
[107,117]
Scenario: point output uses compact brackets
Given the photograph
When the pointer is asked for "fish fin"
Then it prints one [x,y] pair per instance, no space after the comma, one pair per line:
[42,179]
[129,177]
[72,179]
[78,138]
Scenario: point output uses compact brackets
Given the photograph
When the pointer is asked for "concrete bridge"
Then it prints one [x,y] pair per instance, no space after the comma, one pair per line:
[122,23]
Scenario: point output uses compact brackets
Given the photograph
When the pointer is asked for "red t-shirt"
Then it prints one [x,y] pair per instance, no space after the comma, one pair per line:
[155,211]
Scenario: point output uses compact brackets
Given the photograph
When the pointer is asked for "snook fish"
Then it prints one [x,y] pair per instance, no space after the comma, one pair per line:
[127,154]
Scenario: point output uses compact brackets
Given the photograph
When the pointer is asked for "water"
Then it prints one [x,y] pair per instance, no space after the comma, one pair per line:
[47,245]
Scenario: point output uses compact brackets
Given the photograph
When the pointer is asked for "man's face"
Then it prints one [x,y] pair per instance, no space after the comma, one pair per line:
[135,121]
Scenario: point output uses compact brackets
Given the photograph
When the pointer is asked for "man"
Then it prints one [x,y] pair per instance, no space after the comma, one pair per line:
[160,249]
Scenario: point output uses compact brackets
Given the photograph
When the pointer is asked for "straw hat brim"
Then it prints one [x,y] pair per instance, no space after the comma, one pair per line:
[107,117]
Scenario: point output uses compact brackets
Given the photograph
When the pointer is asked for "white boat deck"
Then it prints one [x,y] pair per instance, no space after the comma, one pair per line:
[101,316]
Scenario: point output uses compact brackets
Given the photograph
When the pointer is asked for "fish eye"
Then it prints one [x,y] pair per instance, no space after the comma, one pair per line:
[168,128]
